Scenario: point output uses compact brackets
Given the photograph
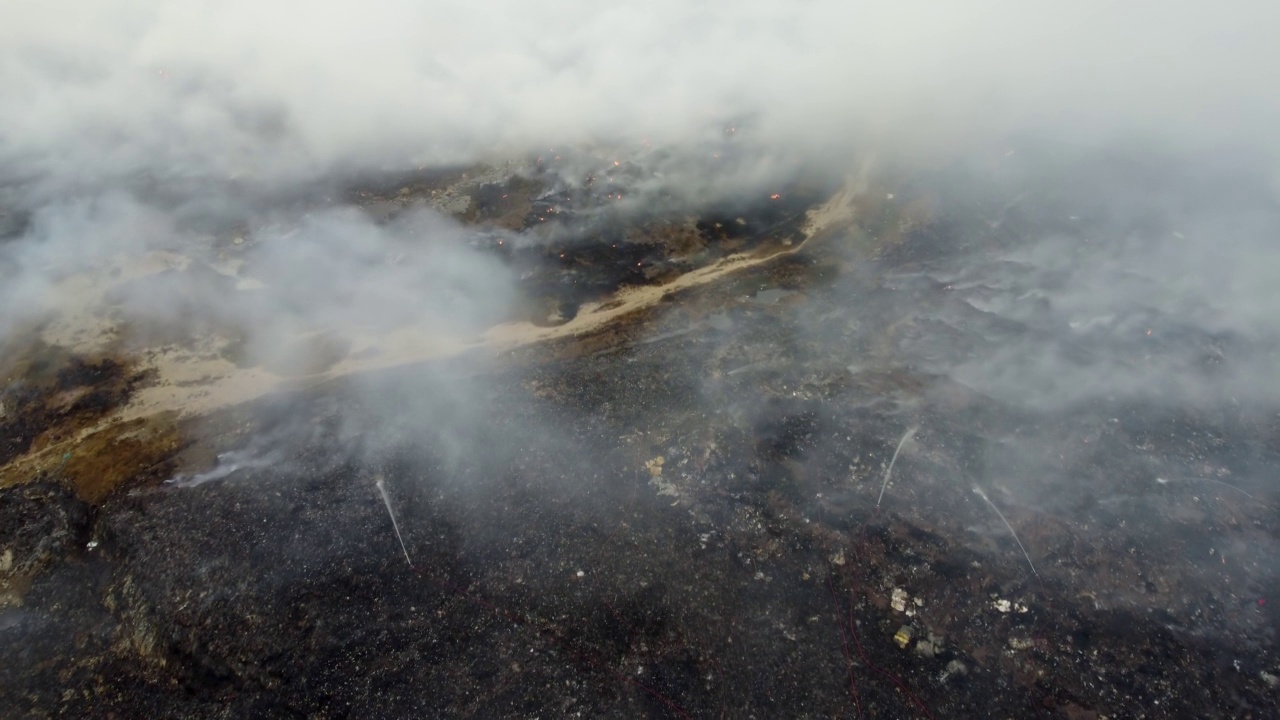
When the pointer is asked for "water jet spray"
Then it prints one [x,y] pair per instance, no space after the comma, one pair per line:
[983,495]
[380,483]
[905,437]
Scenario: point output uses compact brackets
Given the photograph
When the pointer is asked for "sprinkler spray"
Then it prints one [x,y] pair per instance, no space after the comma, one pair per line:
[386,500]
[983,495]
[905,437]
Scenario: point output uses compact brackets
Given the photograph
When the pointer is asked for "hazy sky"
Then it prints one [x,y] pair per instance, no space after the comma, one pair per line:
[243,87]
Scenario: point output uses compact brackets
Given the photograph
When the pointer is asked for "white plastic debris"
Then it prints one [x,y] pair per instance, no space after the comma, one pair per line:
[1021,643]
[1005,606]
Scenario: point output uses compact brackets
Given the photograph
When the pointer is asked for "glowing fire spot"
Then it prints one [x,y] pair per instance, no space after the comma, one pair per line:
[616,163]
[775,196]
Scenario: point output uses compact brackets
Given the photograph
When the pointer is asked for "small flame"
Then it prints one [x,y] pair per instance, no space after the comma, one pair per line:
[775,196]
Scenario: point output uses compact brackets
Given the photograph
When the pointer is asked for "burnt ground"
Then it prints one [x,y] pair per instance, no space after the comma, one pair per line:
[56,390]
[679,517]
[50,404]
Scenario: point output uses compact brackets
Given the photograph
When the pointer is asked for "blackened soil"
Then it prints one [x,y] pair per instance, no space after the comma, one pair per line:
[555,574]
[48,393]
[682,517]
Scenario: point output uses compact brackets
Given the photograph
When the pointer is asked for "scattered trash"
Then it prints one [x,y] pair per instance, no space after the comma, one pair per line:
[931,645]
[955,667]
[1021,643]
[1005,606]
[654,467]
[903,637]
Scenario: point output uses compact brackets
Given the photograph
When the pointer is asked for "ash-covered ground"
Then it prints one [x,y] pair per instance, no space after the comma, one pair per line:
[999,445]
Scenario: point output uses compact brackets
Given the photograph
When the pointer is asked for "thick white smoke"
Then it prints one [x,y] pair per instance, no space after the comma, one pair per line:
[277,90]
[132,126]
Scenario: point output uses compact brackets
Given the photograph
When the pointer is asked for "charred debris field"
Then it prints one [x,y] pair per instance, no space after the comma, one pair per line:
[923,460]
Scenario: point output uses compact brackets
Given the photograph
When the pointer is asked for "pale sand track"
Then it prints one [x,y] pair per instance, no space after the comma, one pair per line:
[191,382]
